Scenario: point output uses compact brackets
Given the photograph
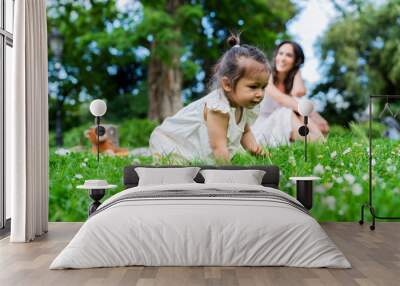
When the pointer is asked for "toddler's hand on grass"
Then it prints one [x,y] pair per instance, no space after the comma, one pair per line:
[259,151]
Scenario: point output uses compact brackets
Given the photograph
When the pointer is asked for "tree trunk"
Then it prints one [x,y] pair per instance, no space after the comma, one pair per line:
[165,79]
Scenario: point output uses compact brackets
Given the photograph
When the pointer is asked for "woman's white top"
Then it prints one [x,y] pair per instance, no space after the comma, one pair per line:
[274,123]
[268,105]
[185,134]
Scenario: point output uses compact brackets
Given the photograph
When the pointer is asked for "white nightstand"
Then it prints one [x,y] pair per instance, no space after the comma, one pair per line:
[304,190]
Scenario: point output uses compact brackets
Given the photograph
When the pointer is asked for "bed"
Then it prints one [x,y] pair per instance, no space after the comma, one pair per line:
[201,224]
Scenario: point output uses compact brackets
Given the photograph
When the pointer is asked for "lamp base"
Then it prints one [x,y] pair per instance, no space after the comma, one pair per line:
[100,130]
[303,130]
[96,195]
[304,193]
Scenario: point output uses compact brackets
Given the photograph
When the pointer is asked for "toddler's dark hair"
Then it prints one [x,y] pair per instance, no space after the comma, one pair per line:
[228,65]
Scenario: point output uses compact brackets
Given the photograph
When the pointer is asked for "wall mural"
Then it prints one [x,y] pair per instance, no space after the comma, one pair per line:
[205,84]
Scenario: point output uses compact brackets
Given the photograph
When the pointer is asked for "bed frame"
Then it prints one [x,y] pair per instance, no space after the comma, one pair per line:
[270,179]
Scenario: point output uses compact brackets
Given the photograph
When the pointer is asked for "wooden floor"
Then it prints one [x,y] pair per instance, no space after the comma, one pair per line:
[374,255]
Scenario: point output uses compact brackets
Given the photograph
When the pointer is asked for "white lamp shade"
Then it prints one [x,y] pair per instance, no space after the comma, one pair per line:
[305,107]
[98,107]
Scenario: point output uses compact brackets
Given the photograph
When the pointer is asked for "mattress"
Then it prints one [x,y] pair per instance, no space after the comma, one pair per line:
[201,225]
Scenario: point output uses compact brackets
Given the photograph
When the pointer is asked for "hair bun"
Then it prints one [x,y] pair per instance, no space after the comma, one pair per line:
[233,40]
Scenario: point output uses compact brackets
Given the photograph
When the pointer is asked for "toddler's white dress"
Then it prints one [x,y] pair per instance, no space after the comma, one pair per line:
[185,134]
[274,123]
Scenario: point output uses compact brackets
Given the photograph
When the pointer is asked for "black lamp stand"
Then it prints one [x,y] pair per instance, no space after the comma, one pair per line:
[303,131]
[100,131]
[96,195]
[369,204]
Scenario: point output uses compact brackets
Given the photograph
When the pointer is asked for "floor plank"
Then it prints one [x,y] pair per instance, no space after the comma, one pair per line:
[374,255]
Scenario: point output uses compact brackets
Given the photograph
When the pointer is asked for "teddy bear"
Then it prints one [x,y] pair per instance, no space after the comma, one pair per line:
[105,143]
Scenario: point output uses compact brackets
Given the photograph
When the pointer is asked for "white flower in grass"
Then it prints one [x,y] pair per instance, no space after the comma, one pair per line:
[86,159]
[328,168]
[330,202]
[339,180]
[348,150]
[78,176]
[318,169]
[320,189]
[336,170]
[292,160]
[333,155]
[344,208]
[396,190]
[351,164]
[357,189]
[136,161]
[373,162]
[349,178]
[83,165]
[341,212]
[341,164]
[365,177]
[62,152]
[389,161]
[391,168]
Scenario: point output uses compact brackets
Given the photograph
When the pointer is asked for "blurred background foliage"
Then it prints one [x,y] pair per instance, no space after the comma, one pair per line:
[360,56]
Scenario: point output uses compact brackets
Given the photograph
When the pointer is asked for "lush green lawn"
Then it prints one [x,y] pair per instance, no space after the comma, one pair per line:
[342,163]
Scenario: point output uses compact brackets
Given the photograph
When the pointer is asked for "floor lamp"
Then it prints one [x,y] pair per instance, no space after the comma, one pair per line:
[305,108]
[304,185]
[97,187]
[98,108]
[369,205]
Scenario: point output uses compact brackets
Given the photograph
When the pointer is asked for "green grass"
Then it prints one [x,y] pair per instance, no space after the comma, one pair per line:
[342,163]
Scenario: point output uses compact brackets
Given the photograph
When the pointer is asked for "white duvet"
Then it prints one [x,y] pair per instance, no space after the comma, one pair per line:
[200,231]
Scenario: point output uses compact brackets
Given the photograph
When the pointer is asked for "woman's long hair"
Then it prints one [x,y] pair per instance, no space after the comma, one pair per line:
[298,61]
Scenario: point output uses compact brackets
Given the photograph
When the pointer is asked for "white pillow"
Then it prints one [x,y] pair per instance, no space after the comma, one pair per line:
[249,177]
[166,176]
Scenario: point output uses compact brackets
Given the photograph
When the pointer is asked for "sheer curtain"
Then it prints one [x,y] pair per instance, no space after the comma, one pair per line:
[27,124]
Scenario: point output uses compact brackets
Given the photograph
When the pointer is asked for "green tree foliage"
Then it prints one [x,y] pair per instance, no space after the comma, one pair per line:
[101,59]
[360,55]
[196,32]
[260,23]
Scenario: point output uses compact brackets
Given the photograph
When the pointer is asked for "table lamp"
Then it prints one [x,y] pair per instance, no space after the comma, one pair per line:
[98,108]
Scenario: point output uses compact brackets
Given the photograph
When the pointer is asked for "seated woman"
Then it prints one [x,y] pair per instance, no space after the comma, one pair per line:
[279,120]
